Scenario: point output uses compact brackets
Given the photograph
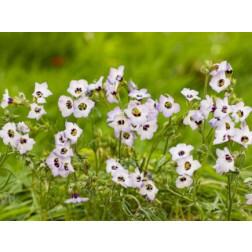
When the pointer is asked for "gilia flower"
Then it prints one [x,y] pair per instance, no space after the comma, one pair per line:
[127,137]
[147,129]
[63,151]
[6,99]
[180,151]
[66,167]
[222,136]
[121,177]
[198,117]
[9,134]
[136,179]
[76,199]
[24,143]
[207,106]
[149,190]
[132,86]
[167,106]
[225,161]
[41,92]
[72,131]
[22,127]
[249,199]
[137,113]
[222,108]
[65,104]
[112,166]
[36,111]
[116,75]
[139,94]
[190,94]
[111,92]
[113,113]
[96,85]
[219,82]
[54,162]
[183,181]
[186,166]
[224,66]
[188,120]
[120,123]
[243,136]
[240,112]
[78,87]
[82,107]
[60,138]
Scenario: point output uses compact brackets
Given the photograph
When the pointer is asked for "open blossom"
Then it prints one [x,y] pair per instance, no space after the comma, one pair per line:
[249,199]
[180,151]
[207,106]
[222,136]
[82,107]
[112,166]
[184,181]
[224,66]
[198,117]
[149,190]
[76,199]
[243,135]
[41,92]
[9,134]
[66,167]
[121,177]
[6,99]
[225,161]
[77,87]
[219,82]
[64,151]
[222,108]
[22,127]
[127,137]
[24,143]
[136,179]
[190,94]
[116,75]
[60,138]
[139,94]
[137,113]
[72,131]
[188,120]
[36,111]
[147,129]
[186,166]
[167,106]
[132,86]
[65,104]
[54,162]
[111,92]
[240,111]
[97,85]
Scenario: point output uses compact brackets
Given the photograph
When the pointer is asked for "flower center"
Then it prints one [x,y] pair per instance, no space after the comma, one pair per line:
[57,162]
[120,122]
[227,126]
[136,112]
[182,179]
[224,109]
[82,106]
[23,140]
[181,153]
[69,104]
[149,187]
[221,83]
[75,195]
[37,110]
[239,113]
[187,165]
[121,179]
[168,105]
[229,71]
[114,167]
[11,133]
[228,158]
[146,127]
[39,94]
[78,90]
[63,151]
[119,78]
[74,132]
[138,179]
[126,135]
[66,166]
[244,139]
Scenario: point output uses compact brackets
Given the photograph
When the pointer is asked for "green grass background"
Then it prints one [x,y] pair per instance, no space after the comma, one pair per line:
[160,62]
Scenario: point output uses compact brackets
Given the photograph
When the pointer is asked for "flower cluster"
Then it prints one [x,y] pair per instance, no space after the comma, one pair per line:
[186,166]
[121,176]
[6,100]
[80,104]
[40,93]
[17,136]
[59,160]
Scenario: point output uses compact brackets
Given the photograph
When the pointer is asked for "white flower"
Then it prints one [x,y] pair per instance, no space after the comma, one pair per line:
[222,136]
[111,92]
[137,113]
[66,167]
[76,199]
[147,129]
[136,179]
[120,123]
[225,124]
[96,85]
[153,111]
[190,94]
[224,66]
[207,106]
[240,112]
[116,75]
[167,106]
[180,151]
[65,104]
[139,94]
[198,117]
[113,113]
[22,127]
[222,108]
[127,137]
[149,190]
[132,86]
[54,162]
[36,111]
[243,135]
[186,166]
[82,107]
[219,82]
[63,151]
[249,199]
[24,143]
[41,92]
[9,134]
[112,166]
[184,181]
[6,99]
[78,87]
[121,177]
[60,138]
[188,120]
[225,161]
[72,131]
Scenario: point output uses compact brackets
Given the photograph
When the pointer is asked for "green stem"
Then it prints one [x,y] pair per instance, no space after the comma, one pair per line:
[206,85]
[119,147]
[230,200]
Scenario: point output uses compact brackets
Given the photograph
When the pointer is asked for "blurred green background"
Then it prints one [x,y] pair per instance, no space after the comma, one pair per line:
[160,62]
